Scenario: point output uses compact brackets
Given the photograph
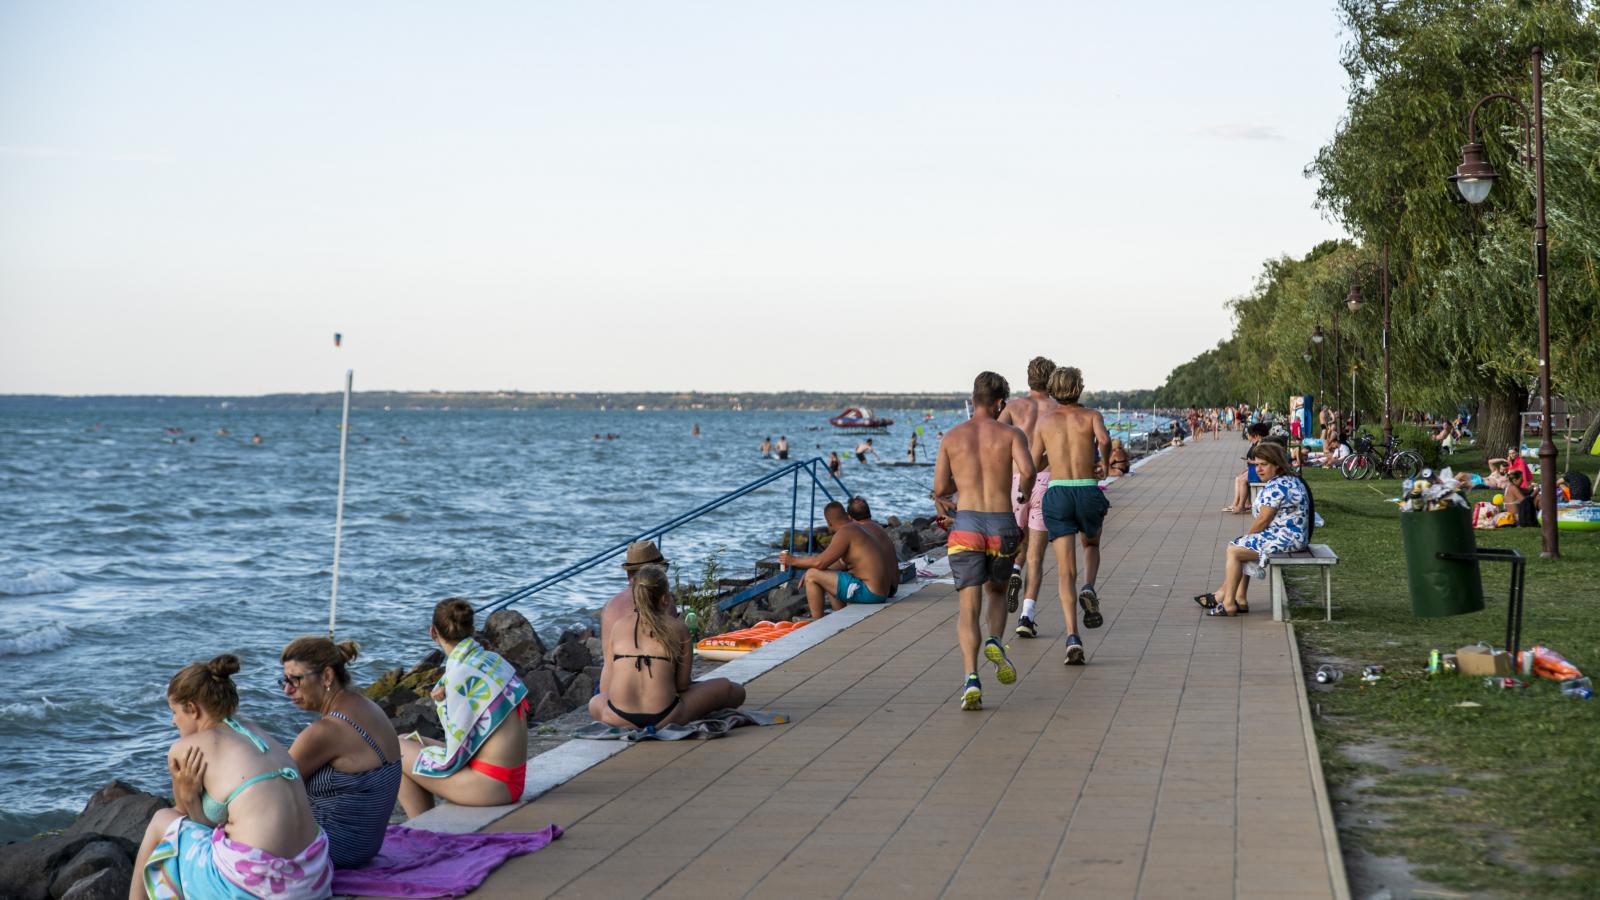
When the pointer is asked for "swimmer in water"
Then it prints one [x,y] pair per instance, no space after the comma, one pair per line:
[766,447]
[782,447]
[255,439]
[834,463]
[696,431]
[864,448]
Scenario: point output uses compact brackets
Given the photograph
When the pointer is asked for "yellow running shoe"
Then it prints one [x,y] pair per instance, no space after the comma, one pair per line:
[1004,670]
[972,695]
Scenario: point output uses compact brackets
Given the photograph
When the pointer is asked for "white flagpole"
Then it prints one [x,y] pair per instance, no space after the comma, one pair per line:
[338,516]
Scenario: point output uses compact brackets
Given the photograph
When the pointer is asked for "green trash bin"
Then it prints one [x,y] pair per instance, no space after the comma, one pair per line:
[1441,587]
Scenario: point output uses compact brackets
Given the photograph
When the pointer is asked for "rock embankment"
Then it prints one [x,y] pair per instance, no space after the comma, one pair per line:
[92,859]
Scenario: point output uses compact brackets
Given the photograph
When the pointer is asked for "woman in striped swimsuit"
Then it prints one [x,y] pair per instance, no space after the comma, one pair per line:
[349,758]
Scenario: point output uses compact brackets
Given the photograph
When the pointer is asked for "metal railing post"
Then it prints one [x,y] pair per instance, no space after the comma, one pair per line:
[811,526]
[794,511]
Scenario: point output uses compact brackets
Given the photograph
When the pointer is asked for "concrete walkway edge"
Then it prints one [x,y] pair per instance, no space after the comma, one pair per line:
[1330,831]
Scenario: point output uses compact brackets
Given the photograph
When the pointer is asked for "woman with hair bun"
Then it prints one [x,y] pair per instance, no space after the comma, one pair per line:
[260,840]
[349,758]
[479,763]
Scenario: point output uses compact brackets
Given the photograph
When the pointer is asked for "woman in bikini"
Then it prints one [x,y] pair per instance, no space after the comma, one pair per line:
[483,708]
[349,758]
[261,839]
[650,649]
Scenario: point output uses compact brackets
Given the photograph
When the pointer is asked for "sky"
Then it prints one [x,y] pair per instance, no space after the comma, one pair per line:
[884,196]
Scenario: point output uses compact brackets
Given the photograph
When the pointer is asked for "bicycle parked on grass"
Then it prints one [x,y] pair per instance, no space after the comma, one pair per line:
[1388,461]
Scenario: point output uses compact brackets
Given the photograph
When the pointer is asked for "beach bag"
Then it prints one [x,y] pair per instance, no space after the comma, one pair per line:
[1485,514]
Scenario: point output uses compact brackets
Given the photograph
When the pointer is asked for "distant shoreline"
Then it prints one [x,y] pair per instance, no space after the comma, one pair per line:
[592,401]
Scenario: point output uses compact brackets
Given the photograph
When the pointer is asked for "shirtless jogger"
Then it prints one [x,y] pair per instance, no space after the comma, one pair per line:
[1069,436]
[1025,415]
[976,460]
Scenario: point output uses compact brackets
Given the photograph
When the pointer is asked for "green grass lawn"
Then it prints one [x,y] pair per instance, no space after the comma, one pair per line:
[1502,798]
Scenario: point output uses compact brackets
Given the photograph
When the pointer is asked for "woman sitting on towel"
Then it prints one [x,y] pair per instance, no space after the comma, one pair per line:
[260,840]
[651,652]
[349,758]
[1283,513]
[479,763]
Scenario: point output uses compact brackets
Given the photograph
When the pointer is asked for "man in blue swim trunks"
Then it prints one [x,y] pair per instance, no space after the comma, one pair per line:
[977,460]
[1073,438]
[859,565]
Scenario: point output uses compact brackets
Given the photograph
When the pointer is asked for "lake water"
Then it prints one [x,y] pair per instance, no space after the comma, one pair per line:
[124,555]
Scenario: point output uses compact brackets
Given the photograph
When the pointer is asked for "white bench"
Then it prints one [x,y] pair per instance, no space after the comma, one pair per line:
[1316,555]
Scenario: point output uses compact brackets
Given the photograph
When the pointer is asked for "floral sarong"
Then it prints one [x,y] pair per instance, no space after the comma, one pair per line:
[193,861]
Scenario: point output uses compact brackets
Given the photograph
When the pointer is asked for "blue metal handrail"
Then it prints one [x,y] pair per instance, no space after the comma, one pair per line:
[810,467]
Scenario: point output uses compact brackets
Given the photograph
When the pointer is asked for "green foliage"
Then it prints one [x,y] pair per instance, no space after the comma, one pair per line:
[701,595]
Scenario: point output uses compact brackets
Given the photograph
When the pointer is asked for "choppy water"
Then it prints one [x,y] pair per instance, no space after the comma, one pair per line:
[124,555]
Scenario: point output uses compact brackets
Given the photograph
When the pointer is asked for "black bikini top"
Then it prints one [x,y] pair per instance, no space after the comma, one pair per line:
[641,661]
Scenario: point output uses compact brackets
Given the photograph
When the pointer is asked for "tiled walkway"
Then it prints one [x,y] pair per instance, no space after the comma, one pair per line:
[1173,764]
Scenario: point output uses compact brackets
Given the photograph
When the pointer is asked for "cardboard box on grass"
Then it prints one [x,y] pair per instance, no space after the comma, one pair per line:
[1481,660]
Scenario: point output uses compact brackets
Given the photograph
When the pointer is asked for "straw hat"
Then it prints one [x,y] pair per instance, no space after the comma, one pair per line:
[643,553]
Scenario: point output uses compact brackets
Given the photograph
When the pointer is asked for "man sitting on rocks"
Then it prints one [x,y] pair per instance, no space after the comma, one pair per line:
[640,554]
[867,571]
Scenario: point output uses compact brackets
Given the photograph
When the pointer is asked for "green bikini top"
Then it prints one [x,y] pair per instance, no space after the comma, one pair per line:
[218,812]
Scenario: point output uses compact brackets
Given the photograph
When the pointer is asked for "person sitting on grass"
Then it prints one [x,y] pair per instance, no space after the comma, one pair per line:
[261,833]
[652,657]
[480,763]
[1284,513]
[1336,451]
[859,565]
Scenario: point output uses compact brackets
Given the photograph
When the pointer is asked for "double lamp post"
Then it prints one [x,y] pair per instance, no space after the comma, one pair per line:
[1474,177]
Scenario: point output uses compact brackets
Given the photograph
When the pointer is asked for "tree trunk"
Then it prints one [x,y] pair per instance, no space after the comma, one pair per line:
[1587,444]
[1500,422]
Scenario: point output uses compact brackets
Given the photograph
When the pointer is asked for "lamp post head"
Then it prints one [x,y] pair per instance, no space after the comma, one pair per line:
[1306,356]
[1316,335]
[1474,177]
[1353,299]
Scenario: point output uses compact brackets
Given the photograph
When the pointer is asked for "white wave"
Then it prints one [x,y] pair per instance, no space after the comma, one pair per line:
[39,581]
[39,640]
[36,711]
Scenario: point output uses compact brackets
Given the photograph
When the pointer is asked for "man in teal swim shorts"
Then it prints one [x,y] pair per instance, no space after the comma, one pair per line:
[1071,437]
[867,570]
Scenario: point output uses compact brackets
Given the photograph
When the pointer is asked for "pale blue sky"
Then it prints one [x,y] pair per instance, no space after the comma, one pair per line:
[586,196]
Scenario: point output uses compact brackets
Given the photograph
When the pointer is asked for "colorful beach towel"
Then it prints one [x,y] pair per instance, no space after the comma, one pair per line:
[194,861]
[714,725]
[417,863]
[481,690]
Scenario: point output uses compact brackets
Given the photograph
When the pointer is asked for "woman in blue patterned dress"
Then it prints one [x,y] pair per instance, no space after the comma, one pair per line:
[1283,512]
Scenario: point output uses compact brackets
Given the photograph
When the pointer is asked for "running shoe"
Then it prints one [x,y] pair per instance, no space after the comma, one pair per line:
[1004,670]
[1074,650]
[1013,589]
[972,695]
[1027,628]
[1090,602]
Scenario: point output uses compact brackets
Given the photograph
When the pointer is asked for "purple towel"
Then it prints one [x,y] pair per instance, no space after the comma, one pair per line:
[417,863]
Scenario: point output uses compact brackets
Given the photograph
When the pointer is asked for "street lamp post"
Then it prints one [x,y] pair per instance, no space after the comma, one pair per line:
[1474,177]
[1353,300]
[1316,338]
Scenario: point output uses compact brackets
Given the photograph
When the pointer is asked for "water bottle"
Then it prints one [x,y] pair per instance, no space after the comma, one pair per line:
[1577,687]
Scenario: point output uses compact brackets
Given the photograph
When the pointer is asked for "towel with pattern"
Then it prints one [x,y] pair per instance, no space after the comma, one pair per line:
[480,691]
[714,725]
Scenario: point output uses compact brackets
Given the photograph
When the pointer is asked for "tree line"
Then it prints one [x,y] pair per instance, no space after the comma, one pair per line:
[1463,318]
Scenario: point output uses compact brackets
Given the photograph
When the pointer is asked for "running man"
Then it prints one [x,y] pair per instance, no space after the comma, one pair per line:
[1024,414]
[859,565]
[977,460]
[1070,436]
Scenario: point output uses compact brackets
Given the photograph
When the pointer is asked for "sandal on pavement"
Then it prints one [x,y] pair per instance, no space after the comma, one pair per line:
[1206,601]
[1222,610]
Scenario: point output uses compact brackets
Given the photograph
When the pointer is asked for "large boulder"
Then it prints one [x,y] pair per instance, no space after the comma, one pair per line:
[540,682]
[508,629]
[419,716]
[118,809]
[96,857]
[572,656]
[579,691]
[28,867]
[549,706]
[106,884]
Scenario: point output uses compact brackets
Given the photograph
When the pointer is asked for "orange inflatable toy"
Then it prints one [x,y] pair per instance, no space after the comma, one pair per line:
[735,644]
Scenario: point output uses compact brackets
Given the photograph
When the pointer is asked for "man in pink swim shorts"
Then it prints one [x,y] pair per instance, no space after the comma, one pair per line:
[1024,414]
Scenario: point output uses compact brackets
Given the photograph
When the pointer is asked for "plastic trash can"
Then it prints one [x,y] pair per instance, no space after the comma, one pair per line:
[1441,587]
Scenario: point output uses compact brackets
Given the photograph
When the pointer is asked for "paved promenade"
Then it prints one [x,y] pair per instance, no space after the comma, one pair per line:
[1173,764]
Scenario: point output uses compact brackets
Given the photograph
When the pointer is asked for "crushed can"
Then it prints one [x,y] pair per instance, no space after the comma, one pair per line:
[1504,683]
[1372,673]
[1448,664]
[1328,675]
[1435,661]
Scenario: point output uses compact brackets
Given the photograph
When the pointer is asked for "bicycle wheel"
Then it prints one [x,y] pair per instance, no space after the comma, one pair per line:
[1360,467]
[1406,464]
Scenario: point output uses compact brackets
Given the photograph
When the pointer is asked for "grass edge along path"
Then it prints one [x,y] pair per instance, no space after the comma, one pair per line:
[1501,798]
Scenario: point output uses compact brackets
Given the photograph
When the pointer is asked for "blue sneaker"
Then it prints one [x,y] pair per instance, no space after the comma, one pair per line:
[1074,650]
[1004,670]
[972,695]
